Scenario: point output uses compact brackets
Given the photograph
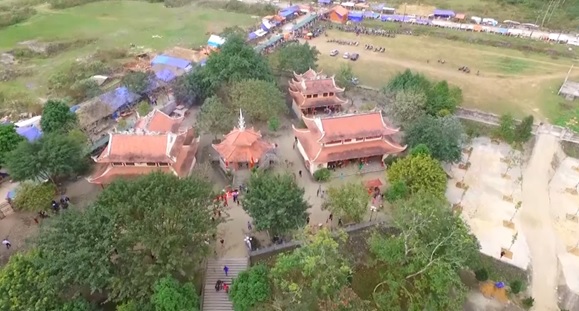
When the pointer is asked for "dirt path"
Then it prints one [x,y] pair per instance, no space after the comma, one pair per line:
[537,225]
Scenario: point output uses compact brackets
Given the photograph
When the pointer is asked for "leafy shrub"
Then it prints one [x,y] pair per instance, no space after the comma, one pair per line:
[273,124]
[528,303]
[420,149]
[322,175]
[397,191]
[34,197]
[481,274]
[250,287]
[390,160]
[15,16]
[506,128]
[516,286]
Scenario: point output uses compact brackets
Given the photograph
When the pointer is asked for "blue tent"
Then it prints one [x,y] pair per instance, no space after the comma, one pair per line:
[289,11]
[31,133]
[118,98]
[443,13]
[251,36]
[165,75]
[325,1]
[356,17]
[171,61]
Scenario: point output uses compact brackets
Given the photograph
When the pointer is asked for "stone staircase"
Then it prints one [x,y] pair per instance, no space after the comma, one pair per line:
[219,301]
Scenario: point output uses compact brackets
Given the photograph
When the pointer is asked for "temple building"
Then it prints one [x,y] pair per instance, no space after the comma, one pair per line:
[313,93]
[242,148]
[158,143]
[335,142]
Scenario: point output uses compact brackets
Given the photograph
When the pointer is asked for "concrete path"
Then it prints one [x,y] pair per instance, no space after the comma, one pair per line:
[537,224]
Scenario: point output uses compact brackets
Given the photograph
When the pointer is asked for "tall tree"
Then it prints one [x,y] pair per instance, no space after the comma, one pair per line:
[214,117]
[316,271]
[51,156]
[34,197]
[523,131]
[250,287]
[235,61]
[136,233]
[419,173]
[443,99]
[345,77]
[506,129]
[259,100]
[443,136]
[408,106]
[136,81]
[56,116]
[275,202]
[349,201]
[295,57]
[408,81]
[191,89]
[24,286]
[425,258]
[9,140]
[169,295]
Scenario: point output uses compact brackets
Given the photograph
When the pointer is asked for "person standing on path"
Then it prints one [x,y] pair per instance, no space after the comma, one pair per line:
[226,270]
[319,190]
[7,243]
[222,241]
[300,173]
[249,227]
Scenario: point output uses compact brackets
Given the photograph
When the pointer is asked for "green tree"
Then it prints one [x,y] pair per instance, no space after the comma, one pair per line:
[57,117]
[191,89]
[408,106]
[169,295]
[420,149]
[424,260]
[295,57]
[398,190]
[443,99]
[136,233]
[349,201]
[523,131]
[250,287]
[419,173]
[259,100]
[316,271]
[347,300]
[49,157]
[34,197]
[136,81]
[506,129]
[345,76]
[236,61]
[24,285]
[143,108]
[442,135]
[83,89]
[275,202]
[214,117]
[78,304]
[9,140]
[409,82]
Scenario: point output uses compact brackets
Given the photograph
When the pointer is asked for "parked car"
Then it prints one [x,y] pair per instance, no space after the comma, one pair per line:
[346,55]
[334,52]
[354,56]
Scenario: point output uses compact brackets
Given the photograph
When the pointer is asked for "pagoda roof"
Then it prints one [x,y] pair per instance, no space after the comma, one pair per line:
[158,121]
[308,75]
[328,101]
[243,145]
[315,86]
[349,126]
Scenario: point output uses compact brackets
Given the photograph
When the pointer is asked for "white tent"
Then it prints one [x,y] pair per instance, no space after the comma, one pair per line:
[348,4]
[215,41]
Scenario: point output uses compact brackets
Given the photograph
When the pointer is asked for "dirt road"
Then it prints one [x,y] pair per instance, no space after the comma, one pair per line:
[537,224]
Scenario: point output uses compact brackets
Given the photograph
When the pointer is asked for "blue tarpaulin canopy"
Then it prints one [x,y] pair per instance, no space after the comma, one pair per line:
[443,13]
[289,11]
[165,75]
[31,133]
[215,41]
[325,1]
[118,98]
[370,14]
[171,61]
[356,17]
[251,36]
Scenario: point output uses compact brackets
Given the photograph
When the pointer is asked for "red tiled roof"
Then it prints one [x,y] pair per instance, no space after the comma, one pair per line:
[310,74]
[157,121]
[315,86]
[106,173]
[349,126]
[317,102]
[135,148]
[242,146]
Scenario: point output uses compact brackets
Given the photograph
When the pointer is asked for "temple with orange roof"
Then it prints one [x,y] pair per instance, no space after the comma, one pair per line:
[158,143]
[313,92]
[242,148]
[334,142]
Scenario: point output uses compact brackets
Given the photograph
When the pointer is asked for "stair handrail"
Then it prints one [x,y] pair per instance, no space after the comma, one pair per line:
[205,261]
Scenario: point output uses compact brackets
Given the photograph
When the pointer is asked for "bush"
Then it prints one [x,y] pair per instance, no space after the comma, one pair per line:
[420,149]
[390,160]
[397,191]
[15,16]
[481,274]
[322,175]
[516,286]
[528,303]
[250,287]
[34,197]
[506,128]
[273,124]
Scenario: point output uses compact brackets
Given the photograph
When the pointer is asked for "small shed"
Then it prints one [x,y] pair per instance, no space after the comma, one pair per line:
[356,17]
[570,90]
[339,14]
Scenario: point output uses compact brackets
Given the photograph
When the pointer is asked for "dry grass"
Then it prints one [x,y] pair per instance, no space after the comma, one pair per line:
[509,82]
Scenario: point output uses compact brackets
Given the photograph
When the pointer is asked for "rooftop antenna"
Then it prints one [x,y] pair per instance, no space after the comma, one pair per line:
[241,124]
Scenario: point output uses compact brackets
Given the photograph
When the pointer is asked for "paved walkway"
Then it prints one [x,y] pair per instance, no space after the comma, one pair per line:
[537,224]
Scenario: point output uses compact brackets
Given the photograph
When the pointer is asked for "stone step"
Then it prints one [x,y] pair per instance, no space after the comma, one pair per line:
[219,301]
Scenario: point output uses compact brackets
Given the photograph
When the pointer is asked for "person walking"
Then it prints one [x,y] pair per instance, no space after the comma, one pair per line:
[7,243]
[249,227]
[319,191]
[222,241]
[300,173]
[226,270]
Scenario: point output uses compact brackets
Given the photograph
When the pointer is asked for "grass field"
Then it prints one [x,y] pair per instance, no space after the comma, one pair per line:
[510,81]
[112,24]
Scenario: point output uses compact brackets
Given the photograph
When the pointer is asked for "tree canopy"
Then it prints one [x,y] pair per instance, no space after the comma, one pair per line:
[408,106]
[349,201]
[191,89]
[275,202]
[514,132]
[259,100]
[9,140]
[136,81]
[424,259]
[169,295]
[214,117]
[235,61]
[51,156]
[57,117]
[34,197]
[345,76]
[420,173]
[134,234]
[295,57]
[443,136]
[250,287]
[315,272]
